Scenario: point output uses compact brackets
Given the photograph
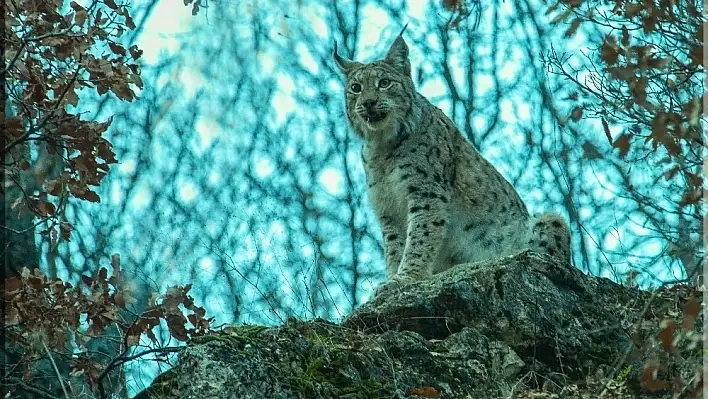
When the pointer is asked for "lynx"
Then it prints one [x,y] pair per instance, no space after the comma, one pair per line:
[439,202]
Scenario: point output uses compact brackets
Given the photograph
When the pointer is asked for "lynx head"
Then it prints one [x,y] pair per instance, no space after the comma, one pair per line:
[380,94]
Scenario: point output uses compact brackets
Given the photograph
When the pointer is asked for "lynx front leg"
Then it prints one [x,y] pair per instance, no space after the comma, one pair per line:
[394,242]
[426,229]
[427,220]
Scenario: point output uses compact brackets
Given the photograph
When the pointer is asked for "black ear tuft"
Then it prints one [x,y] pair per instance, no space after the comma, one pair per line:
[403,30]
[343,64]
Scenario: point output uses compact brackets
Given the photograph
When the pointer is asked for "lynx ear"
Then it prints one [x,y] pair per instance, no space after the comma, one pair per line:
[343,64]
[397,56]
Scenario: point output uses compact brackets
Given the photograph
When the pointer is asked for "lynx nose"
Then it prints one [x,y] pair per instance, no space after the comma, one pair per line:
[369,104]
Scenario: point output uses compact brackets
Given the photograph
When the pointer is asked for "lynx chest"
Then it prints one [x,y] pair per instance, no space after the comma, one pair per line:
[387,188]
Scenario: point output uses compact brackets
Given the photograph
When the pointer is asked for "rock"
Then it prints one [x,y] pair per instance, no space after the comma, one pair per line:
[548,315]
[521,325]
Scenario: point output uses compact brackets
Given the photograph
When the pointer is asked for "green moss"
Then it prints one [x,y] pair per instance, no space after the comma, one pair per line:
[318,339]
[372,386]
[205,339]
[243,334]
[624,373]
[314,370]
[246,330]
[164,386]
[301,384]
[307,383]
[371,389]
[317,331]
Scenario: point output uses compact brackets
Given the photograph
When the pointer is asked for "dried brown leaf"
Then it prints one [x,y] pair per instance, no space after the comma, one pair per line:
[662,135]
[690,197]
[632,9]
[80,17]
[451,5]
[65,231]
[175,323]
[608,51]
[44,208]
[649,23]
[622,73]
[666,334]
[76,6]
[625,36]
[669,174]
[576,114]
[606,128]
[425,392]
[562,16]
[691,309]
[658,63]
[71,98]
[91,196]
[14,127]
[552,8]
[648,380]
[138,81]
[101,88]
[117,48]
[639,90]
[590,152]
[123,92]
[694,179]
[623,144]
[12,285]
[573,27]
[135,52]
[129,22]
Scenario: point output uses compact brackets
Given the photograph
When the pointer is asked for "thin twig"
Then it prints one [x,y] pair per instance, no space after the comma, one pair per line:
[56,370]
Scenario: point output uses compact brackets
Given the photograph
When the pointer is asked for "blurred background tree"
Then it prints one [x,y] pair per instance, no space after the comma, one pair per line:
[237,172]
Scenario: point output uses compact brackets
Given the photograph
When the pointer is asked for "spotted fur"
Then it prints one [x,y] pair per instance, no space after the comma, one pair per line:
[439,202]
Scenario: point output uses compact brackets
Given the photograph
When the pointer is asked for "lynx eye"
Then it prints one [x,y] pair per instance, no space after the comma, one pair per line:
[384,83]
[356,88]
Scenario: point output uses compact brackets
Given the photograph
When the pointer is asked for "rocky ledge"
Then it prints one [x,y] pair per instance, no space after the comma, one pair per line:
[518,327]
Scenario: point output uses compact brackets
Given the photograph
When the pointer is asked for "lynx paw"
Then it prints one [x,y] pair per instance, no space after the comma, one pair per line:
[393,284]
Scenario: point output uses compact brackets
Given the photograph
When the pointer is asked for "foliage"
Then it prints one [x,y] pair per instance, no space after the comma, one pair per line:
[51,318]
[57,54]
[671,358]
[52,54]
[645,79]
